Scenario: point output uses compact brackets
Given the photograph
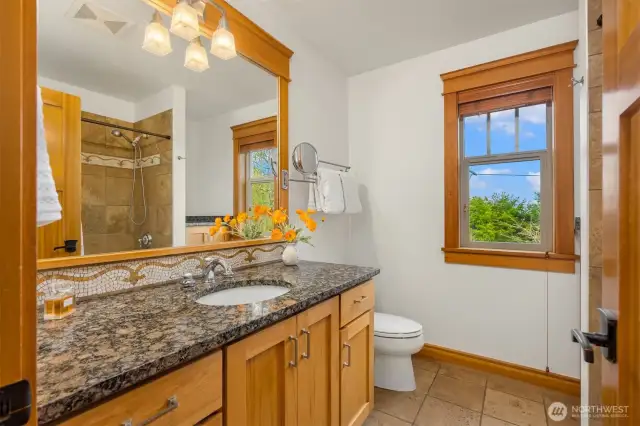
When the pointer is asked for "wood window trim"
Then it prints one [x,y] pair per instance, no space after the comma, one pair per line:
[257,134]
[551,67]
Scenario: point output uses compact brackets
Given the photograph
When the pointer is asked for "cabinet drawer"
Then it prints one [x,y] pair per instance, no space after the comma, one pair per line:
[197,388]
[356,301]
[212,421]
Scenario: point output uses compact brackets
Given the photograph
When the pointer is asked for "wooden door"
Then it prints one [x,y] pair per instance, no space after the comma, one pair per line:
[18,197]
[356,378]
[621,202]
[261,378]
[319,365]
[62,129]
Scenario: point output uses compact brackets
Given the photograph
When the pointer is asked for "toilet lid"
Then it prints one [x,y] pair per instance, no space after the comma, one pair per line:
[393,326]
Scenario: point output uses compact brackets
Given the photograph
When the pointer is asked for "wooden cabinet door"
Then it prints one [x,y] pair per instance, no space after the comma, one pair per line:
[319,365]
[62,131]
[261,378]
[356,377]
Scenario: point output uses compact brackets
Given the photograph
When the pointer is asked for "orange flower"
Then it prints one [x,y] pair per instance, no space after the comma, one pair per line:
[213,230]
[302,215]
[290,235]
[311,225]
[218,221]
[226,219]
[233,223]
[224,230]
[312,211]
[276,234]
[260,210]
[242,217]
[279,217]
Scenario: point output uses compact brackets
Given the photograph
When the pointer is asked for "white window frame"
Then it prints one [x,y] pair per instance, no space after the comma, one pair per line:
[546,182]
[251,179]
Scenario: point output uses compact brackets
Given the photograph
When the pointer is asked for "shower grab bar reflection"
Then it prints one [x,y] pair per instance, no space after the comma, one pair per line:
[117,126]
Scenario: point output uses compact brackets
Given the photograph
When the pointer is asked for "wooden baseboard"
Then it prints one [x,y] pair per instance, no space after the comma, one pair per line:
[541,378]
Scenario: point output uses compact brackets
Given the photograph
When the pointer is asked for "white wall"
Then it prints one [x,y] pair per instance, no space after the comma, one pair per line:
[158,102]
[396,147]
[179,167]
[94,102]
[210,154]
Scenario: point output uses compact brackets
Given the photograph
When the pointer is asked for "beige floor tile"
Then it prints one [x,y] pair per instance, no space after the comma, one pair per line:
[435,412]
[569,401]
[513,409]
[403,405]
[424,379]
[515,387]
[425,363]
[378,418]
[492,421]
[466,394]
[463,373]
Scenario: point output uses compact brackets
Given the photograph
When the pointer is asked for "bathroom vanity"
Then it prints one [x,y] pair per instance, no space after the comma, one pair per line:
[155,355]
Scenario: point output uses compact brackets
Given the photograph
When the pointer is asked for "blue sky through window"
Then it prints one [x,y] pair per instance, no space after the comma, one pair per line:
[519,178]
[489,179]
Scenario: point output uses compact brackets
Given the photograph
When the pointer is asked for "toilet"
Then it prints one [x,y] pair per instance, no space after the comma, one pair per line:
[395,340]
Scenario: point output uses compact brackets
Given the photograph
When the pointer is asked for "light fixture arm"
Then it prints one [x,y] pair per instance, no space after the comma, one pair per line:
[223,23]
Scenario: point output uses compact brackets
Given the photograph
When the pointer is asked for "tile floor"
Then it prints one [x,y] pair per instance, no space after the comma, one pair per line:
[452,395]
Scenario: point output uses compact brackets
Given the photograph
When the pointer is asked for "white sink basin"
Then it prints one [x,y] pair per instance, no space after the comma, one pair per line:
[242,295]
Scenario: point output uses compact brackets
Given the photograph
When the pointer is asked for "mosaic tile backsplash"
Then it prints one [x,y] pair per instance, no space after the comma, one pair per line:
[92,280]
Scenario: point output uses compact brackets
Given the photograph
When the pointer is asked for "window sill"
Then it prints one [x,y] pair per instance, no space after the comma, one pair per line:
[530,260]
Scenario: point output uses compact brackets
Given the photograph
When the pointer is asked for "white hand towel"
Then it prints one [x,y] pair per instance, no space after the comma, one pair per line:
[339,192]
[48,204]
[315,199]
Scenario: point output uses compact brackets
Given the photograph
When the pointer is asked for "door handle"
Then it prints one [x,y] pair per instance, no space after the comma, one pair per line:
[607,338]
[294,363]
[347,363]
[307,354]
[70,246]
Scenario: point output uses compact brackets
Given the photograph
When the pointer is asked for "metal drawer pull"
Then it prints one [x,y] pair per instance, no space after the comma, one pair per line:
[361,299]
[307,354]
[294,363]
[172,404]
[348,362]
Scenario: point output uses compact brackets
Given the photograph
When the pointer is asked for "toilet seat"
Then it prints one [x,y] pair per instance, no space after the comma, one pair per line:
[395,327]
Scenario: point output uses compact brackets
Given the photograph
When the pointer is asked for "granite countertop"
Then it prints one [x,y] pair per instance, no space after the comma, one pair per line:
[114,342]
[193,224]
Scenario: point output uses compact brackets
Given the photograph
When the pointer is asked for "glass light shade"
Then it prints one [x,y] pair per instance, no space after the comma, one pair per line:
[196,58]
[156,38]
[184,22]
[223,44]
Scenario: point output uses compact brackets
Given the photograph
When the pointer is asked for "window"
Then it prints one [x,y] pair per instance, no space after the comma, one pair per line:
[508,145]
[255,156]
[260,177]
[505,178]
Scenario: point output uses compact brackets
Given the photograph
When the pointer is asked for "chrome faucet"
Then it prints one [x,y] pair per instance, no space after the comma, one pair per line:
[208,272]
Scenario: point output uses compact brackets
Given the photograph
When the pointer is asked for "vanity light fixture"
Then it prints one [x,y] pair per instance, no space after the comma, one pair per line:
[184,22]
[223,43]
[156,37]
[199,6]
[196,58]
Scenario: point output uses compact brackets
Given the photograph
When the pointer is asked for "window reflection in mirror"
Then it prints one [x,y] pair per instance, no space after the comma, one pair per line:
[142,149]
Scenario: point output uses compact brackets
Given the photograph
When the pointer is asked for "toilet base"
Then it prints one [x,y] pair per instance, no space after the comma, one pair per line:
[394,372]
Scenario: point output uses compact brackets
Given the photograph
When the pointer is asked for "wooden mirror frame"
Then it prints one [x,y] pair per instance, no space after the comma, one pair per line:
[255,45]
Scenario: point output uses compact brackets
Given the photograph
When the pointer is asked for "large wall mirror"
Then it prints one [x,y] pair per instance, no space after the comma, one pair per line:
[147,146]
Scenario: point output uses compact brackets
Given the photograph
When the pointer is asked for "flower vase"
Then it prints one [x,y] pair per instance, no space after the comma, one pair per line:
[290,255]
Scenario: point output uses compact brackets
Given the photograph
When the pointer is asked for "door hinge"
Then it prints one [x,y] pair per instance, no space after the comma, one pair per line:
[15,404]
[577,223]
